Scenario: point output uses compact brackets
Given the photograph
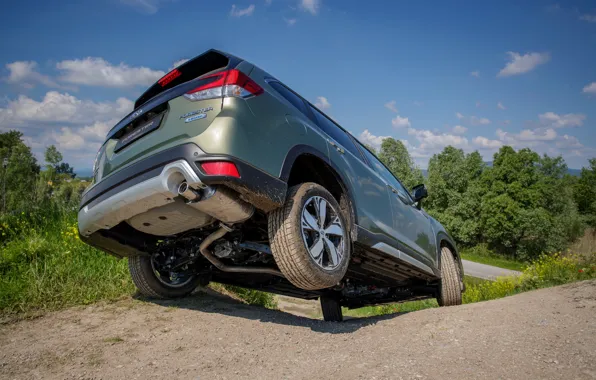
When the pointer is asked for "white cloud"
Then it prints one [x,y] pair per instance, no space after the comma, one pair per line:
[239,12]
[58,107]
[501,106]
[178,63]
[98,72]
[459,130]
[391,106]
[290,21]
[145,6]
[475,74]
[436,141]
[526,137]
[368,138]
[401,122]
[311,6]
[520,64]
[322,103]
[590,88]
[483,142]
[25,73]
[551,119]
[472,120]
[588,17]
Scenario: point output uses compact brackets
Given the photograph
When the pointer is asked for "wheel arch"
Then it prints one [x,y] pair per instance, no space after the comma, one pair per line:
[303,163]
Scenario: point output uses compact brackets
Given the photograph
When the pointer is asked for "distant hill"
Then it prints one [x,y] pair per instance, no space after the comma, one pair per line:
[84,173]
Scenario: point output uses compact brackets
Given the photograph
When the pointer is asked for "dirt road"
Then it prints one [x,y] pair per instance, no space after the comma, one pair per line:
[546,334]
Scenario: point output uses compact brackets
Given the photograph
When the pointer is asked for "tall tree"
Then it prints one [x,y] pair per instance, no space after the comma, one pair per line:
[526,208]
[585,193]
[396,157]
[18,176]
[454,195]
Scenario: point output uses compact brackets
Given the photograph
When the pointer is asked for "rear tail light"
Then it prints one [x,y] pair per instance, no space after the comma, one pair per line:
[220,168]
[230,83]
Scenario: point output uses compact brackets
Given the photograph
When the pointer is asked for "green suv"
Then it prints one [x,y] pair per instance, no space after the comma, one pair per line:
[223,173]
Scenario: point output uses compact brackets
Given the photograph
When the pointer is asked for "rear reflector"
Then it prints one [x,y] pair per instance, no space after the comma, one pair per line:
[230,83]
[220,168]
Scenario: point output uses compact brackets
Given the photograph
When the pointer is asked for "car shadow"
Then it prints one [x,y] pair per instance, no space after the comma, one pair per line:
[210,301]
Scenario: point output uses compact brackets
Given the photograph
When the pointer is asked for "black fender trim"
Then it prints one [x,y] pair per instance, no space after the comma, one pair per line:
[300,150]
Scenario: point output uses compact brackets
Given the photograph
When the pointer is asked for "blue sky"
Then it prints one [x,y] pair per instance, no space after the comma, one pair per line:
[476,75]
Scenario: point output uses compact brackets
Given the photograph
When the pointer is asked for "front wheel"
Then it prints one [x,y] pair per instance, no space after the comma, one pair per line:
[310,238]
[450,288]
[152,281]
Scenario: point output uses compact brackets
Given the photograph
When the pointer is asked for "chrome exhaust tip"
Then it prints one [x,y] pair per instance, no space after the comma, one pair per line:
[188,192]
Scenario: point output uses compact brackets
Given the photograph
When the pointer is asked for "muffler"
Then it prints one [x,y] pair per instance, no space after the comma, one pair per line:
[220,202]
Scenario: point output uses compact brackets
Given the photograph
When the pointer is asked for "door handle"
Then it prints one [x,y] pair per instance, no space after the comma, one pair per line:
[337,147]
[392,189]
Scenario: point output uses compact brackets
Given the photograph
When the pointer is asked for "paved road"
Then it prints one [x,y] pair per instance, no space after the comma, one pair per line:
[486,272]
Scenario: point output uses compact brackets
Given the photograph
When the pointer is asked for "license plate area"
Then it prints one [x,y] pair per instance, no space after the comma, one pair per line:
[140,131]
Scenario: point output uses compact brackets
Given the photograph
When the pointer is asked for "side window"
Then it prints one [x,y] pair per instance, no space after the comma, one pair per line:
[290,97]
[335,132]
[389,177]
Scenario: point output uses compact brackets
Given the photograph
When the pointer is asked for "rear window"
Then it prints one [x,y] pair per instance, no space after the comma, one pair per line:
[196,67]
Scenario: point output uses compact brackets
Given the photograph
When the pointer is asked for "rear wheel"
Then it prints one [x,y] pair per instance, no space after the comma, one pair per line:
[309,238]
[153,281]
[450,291]
[331,309]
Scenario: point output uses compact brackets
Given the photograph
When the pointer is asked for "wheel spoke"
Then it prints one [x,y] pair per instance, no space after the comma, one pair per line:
[316,251]
[334,228]
[334,255]
[322,211]
[309,222]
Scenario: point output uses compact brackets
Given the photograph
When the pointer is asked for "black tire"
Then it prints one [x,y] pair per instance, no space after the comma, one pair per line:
[450,291]
[331,309]
[148,284]
[289,248]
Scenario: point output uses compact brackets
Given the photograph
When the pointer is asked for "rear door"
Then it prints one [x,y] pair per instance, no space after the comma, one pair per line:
[369,192]
[412,226]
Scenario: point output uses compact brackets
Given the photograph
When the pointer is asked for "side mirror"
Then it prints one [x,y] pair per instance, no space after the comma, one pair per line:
[419,192]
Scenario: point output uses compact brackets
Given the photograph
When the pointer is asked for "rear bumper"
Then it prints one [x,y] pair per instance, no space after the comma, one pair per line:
[153,182]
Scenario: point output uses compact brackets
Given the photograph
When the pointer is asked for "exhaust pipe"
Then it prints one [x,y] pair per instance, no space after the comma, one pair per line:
[204,249]
[188,192]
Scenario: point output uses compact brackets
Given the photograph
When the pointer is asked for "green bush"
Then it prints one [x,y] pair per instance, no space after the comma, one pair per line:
[546,271]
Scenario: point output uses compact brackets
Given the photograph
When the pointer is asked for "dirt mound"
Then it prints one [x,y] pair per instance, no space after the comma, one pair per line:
[548,334]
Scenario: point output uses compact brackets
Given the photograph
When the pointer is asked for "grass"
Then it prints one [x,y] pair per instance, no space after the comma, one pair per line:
[47,267]
[483,256]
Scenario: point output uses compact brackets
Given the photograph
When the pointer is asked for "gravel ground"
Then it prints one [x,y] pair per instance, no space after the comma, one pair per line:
[545,334]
